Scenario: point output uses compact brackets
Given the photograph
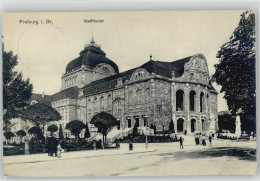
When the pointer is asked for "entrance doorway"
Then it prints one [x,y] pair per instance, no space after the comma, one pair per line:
[192,126]
[129,123]
[137,122]
[180,125]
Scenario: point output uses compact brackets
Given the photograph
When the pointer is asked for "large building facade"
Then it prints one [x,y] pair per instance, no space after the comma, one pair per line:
[156,91]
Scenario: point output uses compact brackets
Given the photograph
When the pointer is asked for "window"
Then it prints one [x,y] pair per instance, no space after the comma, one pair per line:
[95,102]
[117,107]
[102,102]
[138,94]
[109,99]
[147,95]
[179,100]
[192,100]
[130,98]
[201,102]
[139,76]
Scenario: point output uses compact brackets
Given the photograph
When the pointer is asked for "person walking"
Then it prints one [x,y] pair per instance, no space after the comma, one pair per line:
[203,140]
[59,149]
[130,145]
[117,144]
[210,138]
[197,140]
[181,142]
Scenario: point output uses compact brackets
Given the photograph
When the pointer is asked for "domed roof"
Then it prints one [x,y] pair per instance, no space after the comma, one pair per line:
[91,56]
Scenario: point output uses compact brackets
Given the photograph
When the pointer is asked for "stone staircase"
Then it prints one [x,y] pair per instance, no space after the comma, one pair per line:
[113,135]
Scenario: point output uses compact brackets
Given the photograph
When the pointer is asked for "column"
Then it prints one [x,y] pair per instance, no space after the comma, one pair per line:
[175,123]
[187,108]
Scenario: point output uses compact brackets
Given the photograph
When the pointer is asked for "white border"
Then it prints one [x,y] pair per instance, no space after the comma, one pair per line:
[134,5]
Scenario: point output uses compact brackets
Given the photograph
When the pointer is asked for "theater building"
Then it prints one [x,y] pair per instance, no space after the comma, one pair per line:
[156,91]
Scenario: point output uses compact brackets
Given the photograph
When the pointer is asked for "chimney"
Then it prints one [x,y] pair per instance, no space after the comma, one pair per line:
[42,94]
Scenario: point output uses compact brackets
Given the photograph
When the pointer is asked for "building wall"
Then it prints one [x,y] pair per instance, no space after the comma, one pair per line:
[151,95]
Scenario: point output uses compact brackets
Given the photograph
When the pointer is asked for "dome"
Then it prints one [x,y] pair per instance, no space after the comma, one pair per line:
[91,56]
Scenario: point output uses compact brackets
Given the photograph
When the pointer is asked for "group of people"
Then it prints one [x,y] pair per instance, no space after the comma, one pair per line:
[201,139]
[54,147]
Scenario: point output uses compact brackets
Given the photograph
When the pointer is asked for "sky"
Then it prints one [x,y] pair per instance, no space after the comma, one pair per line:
[128,38]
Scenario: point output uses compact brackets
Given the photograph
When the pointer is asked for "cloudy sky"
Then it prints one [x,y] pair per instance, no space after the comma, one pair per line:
[128,38]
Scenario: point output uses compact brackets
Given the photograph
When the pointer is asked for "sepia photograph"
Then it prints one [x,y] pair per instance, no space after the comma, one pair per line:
[129,93]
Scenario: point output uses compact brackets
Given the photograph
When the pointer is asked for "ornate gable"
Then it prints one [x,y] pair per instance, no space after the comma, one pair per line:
[139,74]
[196,69]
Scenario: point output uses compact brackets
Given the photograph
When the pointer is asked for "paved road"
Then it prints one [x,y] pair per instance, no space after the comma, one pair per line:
[223,157]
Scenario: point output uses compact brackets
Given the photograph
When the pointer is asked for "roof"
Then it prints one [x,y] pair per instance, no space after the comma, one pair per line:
[158,67]
[41,98]
[91,56]
[165,68]
[107,83]
[71,92]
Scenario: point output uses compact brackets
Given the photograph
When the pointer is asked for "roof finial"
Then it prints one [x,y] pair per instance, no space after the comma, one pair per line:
[92,40]
[151,56]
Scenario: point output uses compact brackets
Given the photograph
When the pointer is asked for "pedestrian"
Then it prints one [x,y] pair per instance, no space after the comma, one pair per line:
[203,140]
[181,142]
[197,140]
[210,138]
[175,137]
[117,144]
[59,150]
[200,138]
[130,145]
[48,147]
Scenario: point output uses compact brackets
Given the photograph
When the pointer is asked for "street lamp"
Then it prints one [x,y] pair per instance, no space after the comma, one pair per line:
[145,119]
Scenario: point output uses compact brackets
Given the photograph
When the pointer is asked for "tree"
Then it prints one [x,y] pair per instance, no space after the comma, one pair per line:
[171,127]
[16,91]
[226,121]
[52,128]
[104,122]
[235,71]
[21,133]
[40,114]
[8,135]
[87,133]
[75,127]
[61,133]
[36,131]
[164,113]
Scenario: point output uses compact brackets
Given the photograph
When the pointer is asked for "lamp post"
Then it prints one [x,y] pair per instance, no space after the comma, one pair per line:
[146,141]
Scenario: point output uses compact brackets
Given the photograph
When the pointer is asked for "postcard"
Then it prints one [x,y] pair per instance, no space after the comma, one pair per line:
[140,93]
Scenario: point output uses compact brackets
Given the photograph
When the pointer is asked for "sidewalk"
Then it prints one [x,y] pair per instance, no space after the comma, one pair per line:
[43,157]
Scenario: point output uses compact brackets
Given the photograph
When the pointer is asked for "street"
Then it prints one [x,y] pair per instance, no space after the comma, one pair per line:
[223,157]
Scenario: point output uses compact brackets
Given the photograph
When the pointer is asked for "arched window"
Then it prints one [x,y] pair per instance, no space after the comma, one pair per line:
[109,101]
[95,102]
[201,102]
[192,100]
[138,94]
[147,95]
[139,76]
[130,98]
[117,107]
[102,102]
[179,100]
